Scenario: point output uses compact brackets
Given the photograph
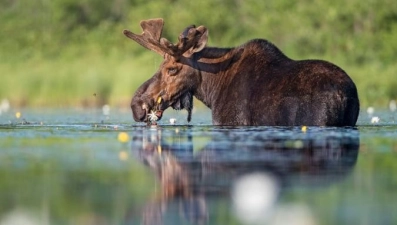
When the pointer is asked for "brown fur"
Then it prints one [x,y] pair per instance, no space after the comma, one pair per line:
[253,84]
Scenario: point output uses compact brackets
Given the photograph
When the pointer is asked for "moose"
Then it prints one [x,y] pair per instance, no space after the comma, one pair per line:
[250,85]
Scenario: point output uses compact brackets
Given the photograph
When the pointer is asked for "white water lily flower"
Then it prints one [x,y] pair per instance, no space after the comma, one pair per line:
[152,116]
[375,119]
[172,121]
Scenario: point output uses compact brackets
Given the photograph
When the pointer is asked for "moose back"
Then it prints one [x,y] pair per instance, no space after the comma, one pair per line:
[253,84]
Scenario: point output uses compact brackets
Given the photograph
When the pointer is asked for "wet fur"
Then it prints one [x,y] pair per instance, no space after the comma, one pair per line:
[262,86]
[256,84]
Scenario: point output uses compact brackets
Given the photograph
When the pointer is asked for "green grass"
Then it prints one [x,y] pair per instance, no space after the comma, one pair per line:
[92,80]
[72,52]
[89,80]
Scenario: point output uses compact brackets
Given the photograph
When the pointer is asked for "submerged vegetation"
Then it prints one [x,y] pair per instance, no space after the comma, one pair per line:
[72,52]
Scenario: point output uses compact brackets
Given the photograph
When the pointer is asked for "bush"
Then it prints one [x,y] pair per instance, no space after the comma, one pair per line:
[42,41]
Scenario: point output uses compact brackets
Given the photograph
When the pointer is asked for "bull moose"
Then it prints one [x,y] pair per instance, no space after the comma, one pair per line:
[253,84]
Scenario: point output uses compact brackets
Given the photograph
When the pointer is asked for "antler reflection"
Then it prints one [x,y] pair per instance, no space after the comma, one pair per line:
[187,179]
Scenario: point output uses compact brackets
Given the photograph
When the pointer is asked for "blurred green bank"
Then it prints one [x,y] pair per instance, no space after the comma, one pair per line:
[65,53]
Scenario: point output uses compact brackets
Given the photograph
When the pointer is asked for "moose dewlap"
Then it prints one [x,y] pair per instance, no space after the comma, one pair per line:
[252,84]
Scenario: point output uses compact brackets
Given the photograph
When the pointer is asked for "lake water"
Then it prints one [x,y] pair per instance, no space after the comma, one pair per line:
[83,167]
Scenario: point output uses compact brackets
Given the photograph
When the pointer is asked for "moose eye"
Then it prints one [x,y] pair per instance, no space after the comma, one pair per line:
[172,71]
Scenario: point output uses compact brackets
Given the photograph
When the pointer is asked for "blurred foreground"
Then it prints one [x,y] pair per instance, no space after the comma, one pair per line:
[99,167]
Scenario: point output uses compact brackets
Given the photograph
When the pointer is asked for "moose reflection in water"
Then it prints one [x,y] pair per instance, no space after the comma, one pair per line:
[189,178]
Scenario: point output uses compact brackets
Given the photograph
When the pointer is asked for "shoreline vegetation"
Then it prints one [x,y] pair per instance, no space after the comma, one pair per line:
[72,53]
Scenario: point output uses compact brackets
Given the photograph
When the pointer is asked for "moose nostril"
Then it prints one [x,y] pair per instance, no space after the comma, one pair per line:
[139,113]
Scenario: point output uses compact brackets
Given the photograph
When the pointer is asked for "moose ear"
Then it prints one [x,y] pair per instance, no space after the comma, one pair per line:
[201,42]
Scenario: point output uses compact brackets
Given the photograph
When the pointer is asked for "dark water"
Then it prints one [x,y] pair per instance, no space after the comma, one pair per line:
[82,167]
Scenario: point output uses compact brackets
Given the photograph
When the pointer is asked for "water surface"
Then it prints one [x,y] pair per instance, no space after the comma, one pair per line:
[72,167]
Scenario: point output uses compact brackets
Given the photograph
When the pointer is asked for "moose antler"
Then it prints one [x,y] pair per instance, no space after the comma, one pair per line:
[191,39]
[150,37]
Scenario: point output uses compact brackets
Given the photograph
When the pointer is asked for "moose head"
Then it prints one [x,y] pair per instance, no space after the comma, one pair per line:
[174,83]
